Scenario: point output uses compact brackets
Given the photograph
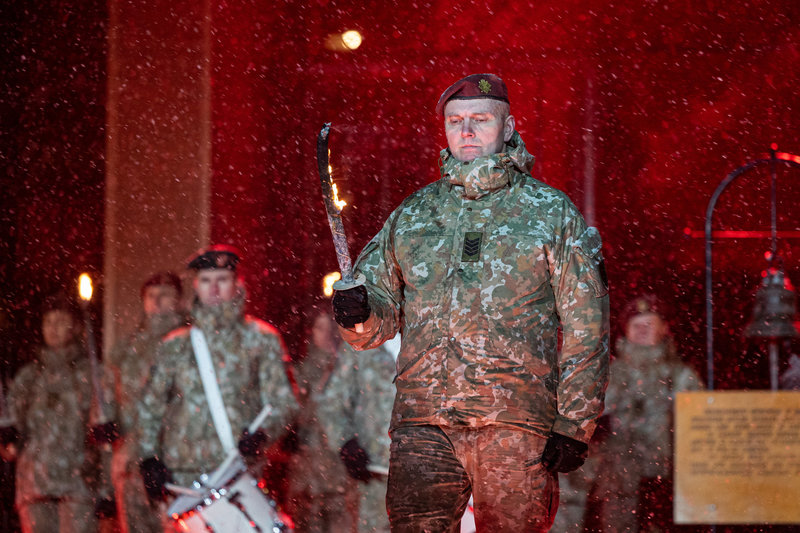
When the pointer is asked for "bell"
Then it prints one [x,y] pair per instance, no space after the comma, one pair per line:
[774,310]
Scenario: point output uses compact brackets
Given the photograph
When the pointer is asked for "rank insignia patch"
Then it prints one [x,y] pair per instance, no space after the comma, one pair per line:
[472,247]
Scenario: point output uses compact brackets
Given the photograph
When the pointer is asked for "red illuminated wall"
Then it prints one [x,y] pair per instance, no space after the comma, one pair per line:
[681,94]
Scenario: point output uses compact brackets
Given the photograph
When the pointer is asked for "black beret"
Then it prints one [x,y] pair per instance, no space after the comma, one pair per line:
[474,86]
[217,256]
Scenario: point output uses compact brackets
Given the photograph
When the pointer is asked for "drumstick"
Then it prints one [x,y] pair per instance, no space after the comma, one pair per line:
[378,469]
[177,489]
[259,419]
[233,454]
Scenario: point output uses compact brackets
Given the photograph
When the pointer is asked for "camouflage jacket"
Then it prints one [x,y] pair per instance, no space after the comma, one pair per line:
[316,468]
[126,373]
[130,364]
[50,400]
[640,398]
[248,356]
[478,270]
[358,402]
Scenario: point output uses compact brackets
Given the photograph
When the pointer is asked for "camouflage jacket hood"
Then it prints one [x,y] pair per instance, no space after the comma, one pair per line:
[638,355]
[485,174]
[478,277]
[220,317]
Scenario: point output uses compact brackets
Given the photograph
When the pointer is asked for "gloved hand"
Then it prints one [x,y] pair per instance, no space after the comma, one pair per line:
[105,433]
[252,444]
[605,427]
[105,508]
[355,459]
[563,454]
[9,435]
[351,306]
[155,475]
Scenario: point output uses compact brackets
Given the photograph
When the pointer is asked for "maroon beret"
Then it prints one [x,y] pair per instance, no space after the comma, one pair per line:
[474,86]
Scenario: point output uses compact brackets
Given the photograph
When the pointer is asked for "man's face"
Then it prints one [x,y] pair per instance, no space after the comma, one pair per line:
[476,128]
[646,329]
[58,328]
[324,333]
[159,299]
[215,286]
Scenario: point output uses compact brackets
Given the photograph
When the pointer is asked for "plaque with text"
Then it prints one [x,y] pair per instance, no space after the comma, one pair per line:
[737,457]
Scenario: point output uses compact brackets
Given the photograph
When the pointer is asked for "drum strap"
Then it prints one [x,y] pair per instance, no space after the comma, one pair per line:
[215,404]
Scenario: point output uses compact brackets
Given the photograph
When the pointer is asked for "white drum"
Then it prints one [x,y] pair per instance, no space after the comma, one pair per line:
[468,520]
[227,501]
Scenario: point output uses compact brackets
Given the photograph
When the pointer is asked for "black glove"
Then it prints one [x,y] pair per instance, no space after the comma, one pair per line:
[252,444]
[563,454]
[351,306]
[105,508]
[155,475]
[9,435]
[105,433]
[355,459]
[605,428]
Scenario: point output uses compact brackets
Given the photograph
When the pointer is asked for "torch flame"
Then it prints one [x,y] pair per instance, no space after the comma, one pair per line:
[328,281]
[85,287]
[336,201]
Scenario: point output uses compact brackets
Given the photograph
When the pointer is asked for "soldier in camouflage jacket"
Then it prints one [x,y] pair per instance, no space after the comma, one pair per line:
[177,430]
[127,371]
[355,413]
[51,401]
[479,270]
[632,484]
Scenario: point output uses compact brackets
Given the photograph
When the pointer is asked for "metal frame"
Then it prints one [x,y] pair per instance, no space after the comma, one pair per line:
[775,158]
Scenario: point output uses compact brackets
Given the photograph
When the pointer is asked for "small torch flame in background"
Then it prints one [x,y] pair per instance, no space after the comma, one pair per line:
[85,287]
[328,281]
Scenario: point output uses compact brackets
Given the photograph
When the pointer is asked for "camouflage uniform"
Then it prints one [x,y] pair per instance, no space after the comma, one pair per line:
[639,402]
[479,269]
[248,356]
[318,481]
[50,400]
[358,404]
[127,372]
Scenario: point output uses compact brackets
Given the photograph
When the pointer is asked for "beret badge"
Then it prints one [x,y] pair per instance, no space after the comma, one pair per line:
[485,86]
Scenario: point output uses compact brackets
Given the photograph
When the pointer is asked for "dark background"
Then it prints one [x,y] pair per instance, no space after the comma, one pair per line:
[676,95]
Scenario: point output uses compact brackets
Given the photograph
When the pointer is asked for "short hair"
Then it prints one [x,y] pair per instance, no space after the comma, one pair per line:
[59,301]
[162,278]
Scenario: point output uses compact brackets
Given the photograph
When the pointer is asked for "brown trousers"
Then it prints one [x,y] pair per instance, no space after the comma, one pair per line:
[433,470]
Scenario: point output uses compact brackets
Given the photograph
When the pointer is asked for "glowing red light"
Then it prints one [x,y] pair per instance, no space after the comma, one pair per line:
[774,146]
[768,255]
[788,157]
[687,230]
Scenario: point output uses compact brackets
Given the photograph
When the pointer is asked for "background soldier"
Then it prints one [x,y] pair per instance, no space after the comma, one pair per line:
[179,435]
[356,413]
[50,401]
[633,484]
[318,481]
[128,369]
[480,269]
